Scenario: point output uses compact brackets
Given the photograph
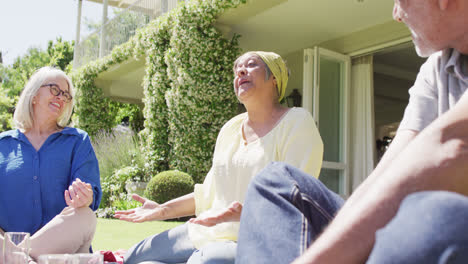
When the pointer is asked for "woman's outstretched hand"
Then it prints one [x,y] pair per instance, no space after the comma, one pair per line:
[148,211]
[232,213]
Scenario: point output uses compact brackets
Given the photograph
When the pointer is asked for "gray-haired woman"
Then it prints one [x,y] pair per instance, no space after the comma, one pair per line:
[49,173]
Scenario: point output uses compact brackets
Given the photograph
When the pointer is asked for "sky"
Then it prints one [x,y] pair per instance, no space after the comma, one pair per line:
[32,23]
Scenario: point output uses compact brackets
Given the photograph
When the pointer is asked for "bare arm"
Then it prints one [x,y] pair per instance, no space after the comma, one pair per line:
[232,213]
[401,140]
[434,160]
[149,211]
[182,206]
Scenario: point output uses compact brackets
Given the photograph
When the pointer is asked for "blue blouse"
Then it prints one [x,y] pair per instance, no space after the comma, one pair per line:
[32,183]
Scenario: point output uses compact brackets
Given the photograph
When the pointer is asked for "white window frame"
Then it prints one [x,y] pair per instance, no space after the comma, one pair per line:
[311,102]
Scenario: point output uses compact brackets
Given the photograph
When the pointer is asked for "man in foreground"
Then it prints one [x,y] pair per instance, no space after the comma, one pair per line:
[413,208]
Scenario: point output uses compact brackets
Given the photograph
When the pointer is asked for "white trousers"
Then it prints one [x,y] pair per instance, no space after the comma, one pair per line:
[69,232]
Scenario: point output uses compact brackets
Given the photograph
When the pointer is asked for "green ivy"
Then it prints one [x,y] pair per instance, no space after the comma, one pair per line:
[155,84]
[201,98]
[93,111]
[187,87]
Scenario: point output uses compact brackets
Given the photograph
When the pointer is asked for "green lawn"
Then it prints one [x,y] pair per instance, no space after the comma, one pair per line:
[112,234]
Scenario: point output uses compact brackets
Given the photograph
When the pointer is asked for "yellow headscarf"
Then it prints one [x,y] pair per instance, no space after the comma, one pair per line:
[278,68]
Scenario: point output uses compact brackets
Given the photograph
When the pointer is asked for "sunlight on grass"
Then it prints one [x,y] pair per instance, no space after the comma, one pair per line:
[113,234]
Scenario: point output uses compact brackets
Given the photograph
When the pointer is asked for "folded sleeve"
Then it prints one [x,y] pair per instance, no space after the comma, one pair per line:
[85,167]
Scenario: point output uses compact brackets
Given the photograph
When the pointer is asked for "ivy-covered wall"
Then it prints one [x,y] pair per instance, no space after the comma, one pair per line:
[188,91]
[156,83]
[93,111]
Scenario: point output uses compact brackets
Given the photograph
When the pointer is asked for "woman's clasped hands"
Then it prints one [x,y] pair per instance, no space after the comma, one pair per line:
[79,194]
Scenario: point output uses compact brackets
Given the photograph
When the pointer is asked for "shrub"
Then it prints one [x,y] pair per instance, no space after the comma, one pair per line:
[117,150]
[125,204]
[120,160]
[113,187]
[168,185]
[129,173]
[117,205]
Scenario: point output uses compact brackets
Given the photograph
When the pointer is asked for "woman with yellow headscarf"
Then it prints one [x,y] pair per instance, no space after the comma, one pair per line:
[267,132]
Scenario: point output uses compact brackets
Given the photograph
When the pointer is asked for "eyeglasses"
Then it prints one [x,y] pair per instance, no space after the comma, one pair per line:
[56,91]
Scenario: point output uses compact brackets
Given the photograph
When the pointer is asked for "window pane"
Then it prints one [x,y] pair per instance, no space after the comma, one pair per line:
[332,179]
[331,108]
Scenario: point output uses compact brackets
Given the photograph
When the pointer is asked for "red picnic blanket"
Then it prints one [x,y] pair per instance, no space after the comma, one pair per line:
[113,256]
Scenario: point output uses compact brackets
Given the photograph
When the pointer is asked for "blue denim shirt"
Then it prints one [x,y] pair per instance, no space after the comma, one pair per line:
[32,183]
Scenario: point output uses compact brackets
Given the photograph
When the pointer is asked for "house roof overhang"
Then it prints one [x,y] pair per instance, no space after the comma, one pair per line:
[285,26]
[116,3]
[282,26]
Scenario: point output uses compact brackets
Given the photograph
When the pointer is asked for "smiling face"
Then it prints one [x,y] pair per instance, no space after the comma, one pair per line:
[249,82]
[47,105]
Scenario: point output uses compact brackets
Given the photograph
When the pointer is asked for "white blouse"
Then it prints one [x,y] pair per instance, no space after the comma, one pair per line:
[295,140]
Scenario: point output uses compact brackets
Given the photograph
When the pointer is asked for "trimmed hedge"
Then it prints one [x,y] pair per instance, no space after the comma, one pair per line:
[168,185]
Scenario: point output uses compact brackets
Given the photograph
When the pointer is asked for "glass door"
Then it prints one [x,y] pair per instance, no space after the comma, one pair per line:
[325,95]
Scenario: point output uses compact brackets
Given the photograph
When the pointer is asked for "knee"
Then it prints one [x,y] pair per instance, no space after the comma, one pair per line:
[278,174]
[83,217]
[281,179]
[427,225]
[436,205]
[269,181]
[215,253]
[87,215]
[455,254]
[434,209]
[270,173]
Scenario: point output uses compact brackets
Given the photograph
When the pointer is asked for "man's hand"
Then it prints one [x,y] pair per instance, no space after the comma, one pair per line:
[79,194]
[230,214]
[147,212]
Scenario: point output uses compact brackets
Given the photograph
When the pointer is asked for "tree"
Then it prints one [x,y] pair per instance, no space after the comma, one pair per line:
[61,53]
[6,111]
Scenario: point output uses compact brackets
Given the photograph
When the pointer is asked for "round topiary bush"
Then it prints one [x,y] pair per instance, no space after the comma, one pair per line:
[168,185]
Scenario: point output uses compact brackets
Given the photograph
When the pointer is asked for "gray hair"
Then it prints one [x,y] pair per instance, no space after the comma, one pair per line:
[24,112]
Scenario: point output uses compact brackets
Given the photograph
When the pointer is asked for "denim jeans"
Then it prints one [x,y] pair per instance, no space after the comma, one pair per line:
[285,210]
[429,227]
[174,246]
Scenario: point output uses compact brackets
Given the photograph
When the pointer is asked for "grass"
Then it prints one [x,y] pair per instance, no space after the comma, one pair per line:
[113,234]
[115,151]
